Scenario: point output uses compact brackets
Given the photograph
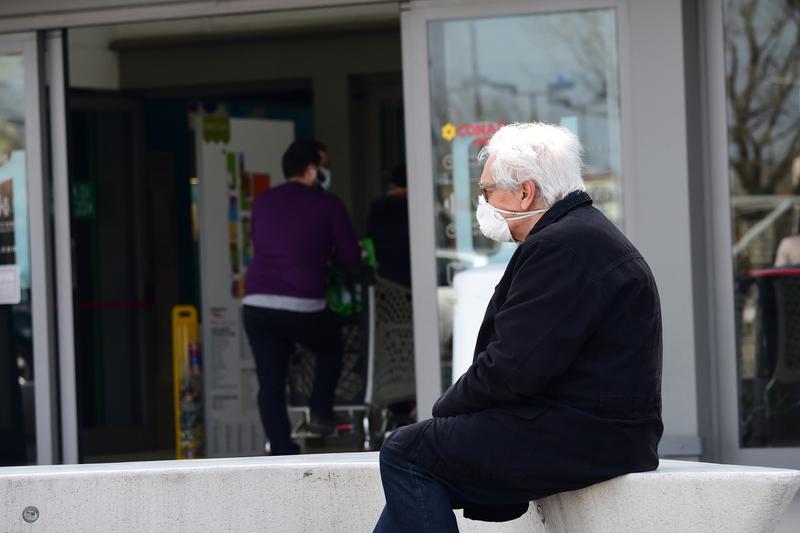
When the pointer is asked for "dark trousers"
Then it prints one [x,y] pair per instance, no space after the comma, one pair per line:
[419,501]
[272,334]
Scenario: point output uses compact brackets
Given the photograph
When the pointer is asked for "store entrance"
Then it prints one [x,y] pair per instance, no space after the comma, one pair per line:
[138,94]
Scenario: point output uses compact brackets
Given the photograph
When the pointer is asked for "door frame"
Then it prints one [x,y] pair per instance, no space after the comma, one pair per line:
[32,46]
[656,186]
[416,82]
[719,264]
[62,248]
[119,438]
[650,154]
[23,15]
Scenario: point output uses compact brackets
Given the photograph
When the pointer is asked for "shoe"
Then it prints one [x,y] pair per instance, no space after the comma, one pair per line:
[292,449]
[322,424]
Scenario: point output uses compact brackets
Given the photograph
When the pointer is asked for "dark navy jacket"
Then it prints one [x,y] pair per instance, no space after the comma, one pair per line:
[565,386]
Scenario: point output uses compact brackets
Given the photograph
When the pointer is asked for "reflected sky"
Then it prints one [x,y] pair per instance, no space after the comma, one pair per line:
[556,68]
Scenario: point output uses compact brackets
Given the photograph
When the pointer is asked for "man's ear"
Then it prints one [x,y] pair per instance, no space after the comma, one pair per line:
[528,195]
[311,171]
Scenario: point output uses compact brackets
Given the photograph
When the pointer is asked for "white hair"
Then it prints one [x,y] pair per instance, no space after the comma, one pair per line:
[548,155]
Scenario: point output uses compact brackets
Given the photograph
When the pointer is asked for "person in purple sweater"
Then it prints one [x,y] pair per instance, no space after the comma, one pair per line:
[297,229]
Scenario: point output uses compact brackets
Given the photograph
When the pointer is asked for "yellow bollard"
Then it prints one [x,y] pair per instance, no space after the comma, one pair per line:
[187,383]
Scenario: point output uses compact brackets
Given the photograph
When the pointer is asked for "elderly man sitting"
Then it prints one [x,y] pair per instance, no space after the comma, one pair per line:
[565,387]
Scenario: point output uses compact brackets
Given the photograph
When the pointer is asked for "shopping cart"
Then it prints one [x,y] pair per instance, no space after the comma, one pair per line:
[391,391]
[375,392]
[350,297]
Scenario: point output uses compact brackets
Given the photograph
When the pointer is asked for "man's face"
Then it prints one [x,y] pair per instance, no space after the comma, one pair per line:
[500,198]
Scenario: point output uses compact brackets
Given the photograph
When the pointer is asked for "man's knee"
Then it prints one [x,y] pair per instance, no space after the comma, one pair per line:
[385,456]
[392,465]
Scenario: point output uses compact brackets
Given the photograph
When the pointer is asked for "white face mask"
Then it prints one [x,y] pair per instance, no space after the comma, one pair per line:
[494,225]
[324,178]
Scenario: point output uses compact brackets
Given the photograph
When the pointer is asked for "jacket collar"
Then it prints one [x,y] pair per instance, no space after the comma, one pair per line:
[561,208]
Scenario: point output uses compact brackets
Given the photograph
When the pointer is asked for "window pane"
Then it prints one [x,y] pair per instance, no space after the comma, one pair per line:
[17,437]
[763,96]
[558,68]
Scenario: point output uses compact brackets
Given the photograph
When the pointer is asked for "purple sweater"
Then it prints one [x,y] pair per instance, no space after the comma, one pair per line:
[296,231]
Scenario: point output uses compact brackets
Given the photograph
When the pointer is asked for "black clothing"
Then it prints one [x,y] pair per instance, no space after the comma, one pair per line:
[387,226]
[272,334]
[565,386]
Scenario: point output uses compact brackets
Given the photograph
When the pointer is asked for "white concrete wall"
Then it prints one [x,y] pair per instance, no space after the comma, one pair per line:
[92,64]
[342,493]
[658,205]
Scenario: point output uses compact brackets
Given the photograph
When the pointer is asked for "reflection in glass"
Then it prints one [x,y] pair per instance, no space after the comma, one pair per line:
[17,437]
[763,96]
[558,68]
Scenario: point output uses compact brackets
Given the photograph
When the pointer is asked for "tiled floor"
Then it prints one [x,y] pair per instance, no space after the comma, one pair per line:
[791,520]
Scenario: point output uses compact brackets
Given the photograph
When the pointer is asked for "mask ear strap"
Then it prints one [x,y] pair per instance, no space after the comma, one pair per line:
[526,214]
[517,214]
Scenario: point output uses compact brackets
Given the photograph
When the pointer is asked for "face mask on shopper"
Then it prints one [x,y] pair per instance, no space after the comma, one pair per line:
[324,178]
[494,225]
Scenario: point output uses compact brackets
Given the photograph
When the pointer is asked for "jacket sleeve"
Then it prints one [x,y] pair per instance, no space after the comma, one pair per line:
[346,249]
[539,329]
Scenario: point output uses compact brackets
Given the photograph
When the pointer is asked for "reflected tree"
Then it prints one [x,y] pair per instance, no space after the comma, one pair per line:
[588,40]
[763,60]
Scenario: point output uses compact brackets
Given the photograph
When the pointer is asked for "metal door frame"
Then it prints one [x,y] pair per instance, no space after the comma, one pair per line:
[647,160]
[655,168]
[719,264]
[57,81]
[416,83]
[32,48]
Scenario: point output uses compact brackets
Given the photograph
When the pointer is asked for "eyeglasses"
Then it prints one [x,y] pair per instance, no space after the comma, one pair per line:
[485,188]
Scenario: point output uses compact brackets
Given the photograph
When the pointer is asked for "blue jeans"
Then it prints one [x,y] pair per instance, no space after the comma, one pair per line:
[419,501]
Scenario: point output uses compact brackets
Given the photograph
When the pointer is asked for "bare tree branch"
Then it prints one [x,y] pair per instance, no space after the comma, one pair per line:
[762,82]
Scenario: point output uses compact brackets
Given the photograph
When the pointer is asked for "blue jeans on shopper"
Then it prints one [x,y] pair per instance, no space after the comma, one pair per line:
[418,501]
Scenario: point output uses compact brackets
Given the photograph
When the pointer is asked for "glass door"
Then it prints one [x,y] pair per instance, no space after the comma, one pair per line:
[468,71]
[757,221]
[27,402]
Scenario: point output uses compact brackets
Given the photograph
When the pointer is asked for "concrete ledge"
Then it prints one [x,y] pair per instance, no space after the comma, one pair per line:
[342,493]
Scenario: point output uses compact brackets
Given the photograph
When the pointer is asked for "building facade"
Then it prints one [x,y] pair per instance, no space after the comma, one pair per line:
[687,109]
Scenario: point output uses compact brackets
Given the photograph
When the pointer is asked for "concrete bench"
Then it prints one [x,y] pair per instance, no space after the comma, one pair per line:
[342,493]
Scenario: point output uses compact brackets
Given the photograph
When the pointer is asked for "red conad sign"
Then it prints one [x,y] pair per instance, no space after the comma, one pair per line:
[476,129]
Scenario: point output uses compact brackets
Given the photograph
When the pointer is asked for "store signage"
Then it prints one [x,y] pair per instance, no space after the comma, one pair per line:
[7,228]
[10,290]
[84,200]
[216,128]
[481,130]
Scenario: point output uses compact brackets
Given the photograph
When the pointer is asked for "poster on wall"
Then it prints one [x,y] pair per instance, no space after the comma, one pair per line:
[8,253]
[14,270]
[237,160]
